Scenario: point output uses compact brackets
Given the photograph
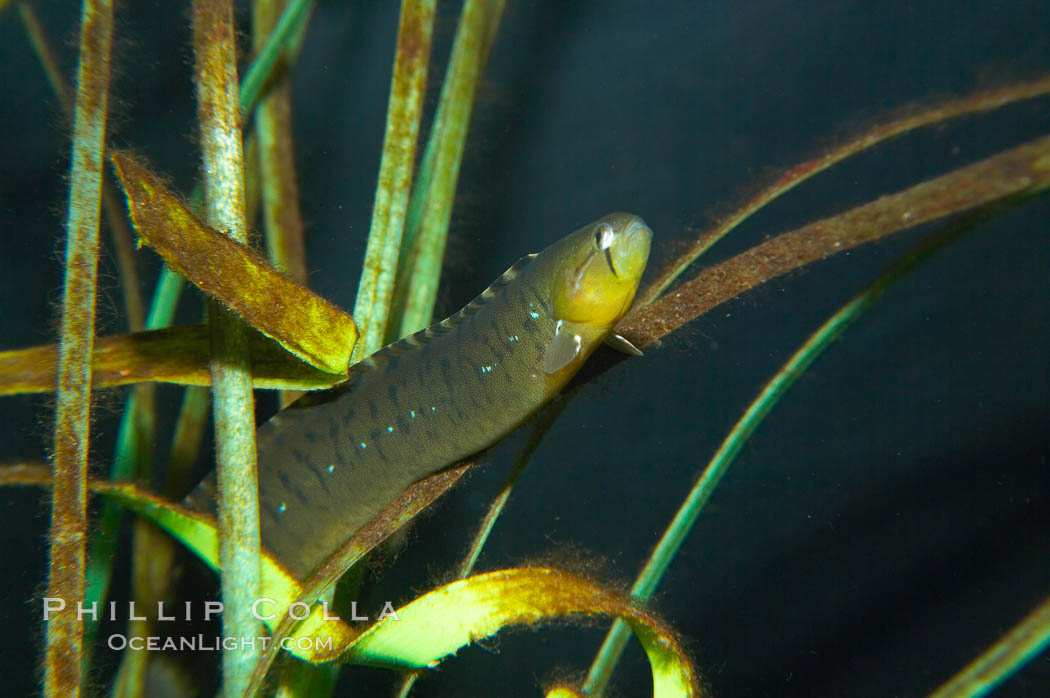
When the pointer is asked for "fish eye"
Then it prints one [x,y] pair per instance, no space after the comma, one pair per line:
[603,236]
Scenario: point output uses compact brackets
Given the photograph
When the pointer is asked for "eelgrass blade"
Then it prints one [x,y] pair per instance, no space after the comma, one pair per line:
[239,549]
[227,269]
[404,111]
[684,519]
[286,250]
[432,627]
[972,104]
[430,208]
[68,534]
[121,234]
[172,355]
[135,433]
[186,440]
[151,551]
[279,189]
[1011,652]
[131,458]
[395,515]
[440,622]
[538,429]
[281,42]
[1019,171]
[48,61]
[1022,170]
[282,224]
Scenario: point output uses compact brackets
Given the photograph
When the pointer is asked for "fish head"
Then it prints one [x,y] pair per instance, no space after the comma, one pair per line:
[599,269]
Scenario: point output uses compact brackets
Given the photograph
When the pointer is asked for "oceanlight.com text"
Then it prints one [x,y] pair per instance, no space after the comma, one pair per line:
[214,643]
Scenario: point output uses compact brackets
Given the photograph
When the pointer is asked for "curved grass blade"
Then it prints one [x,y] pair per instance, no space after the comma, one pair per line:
[303,322]
[433,626]
[1017,171]
[171,355]
[539,426]
[972,104]
[684,519]
[395,515]
[1022,170]
[442,621]
[996,664]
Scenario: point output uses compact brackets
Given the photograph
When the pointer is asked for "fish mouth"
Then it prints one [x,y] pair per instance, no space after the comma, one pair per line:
[634,250]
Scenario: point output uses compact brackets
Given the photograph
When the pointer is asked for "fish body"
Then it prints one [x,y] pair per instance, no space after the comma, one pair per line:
[332,460]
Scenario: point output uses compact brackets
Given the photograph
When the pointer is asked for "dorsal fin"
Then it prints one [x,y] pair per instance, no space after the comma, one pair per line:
[482,298]
[413,341]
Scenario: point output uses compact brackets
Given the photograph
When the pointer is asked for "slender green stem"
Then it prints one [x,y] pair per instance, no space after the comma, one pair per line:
[283,43]
[996,664]
[285,32]
[169,285]
[42,48]
[286,250]
[682,523]
[430,208]
[131,458]
[239,550]
[152,552]
[538,429]
[282,224]
[68,535]
[407,86]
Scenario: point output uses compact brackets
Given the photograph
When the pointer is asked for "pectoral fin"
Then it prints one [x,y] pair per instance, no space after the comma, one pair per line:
[622,344]
[564,348]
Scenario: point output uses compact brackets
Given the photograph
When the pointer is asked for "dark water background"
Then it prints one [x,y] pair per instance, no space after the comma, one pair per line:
[887,522]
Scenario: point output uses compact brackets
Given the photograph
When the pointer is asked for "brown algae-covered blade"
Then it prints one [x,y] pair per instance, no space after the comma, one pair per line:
[304,323]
